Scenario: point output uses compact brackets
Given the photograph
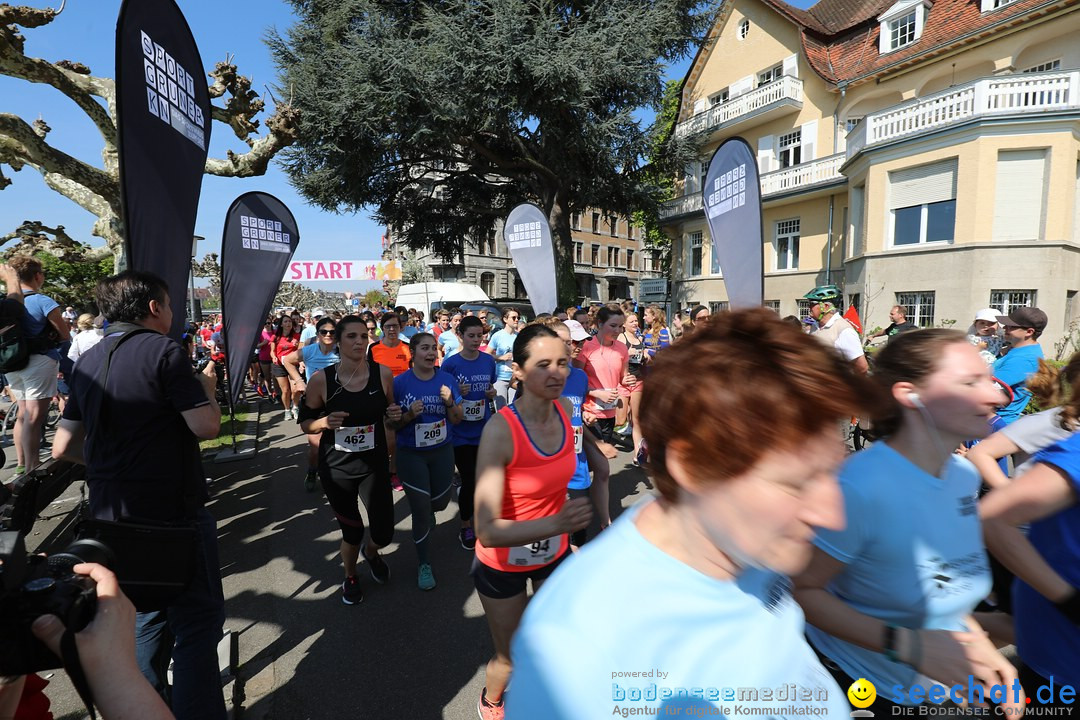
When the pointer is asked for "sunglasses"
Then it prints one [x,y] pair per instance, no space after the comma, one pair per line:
[326,332]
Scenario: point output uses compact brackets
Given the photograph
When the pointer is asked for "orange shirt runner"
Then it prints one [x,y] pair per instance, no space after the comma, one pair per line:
[396,358]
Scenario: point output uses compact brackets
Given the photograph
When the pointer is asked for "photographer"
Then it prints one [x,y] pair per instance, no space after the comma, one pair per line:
[134,416]
[106,652]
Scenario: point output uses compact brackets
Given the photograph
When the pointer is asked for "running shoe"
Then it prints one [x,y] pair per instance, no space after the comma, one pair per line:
[490,711]
[260,391]
[642,455]
[623,429]
[468,538]
[351,592]
[396,483]
[380,571]
[425,579]
[309,481]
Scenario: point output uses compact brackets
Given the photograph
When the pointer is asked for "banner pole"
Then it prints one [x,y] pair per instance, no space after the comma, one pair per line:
[232,409]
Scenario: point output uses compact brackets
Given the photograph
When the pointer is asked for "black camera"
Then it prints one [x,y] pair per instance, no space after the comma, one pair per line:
[35,585]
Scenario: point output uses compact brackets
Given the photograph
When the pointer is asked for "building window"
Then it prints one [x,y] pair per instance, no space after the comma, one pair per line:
[613,223]
[648,260]
[922,202]
[851,122]
[519,288]
[629,259]
[575,221]
[1020,195]
[1005,301]
[613,257]
[718,306]
[988,5]
[773,305]
[787,245]
[579,252]
[487,283]
[902,31]
[855,301]
[744,29]
[694,240]
[596,222]
[802,307]
[790,149]
[595,255]
[919,307]
[1044,67]
[1070,308]
[719,98]
[770,75]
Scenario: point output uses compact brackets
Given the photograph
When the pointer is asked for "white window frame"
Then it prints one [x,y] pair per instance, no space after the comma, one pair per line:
[719,306]
[613,256]
[919,305]
[744,28]
[891,20]
[773,305]
[990,5]
[786,236]
[720,97]
[1005,301]
[579,253]
[924,207]
[695,241]
[771,75]
[1048,66]
[789,149]
[802,307]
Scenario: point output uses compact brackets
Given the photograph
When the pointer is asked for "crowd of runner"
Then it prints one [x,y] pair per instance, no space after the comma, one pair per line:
[761,517]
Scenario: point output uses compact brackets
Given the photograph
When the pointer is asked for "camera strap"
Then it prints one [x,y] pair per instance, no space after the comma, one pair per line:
[69,653]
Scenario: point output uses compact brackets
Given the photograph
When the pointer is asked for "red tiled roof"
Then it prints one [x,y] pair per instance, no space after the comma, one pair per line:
[840,37]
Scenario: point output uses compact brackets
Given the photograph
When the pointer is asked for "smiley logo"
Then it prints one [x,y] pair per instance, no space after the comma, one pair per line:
[862,693]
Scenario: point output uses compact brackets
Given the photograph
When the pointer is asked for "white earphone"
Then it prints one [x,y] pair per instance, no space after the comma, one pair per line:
[914,398]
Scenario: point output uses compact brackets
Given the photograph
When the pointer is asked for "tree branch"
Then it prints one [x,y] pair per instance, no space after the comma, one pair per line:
[18,139]
[283,126]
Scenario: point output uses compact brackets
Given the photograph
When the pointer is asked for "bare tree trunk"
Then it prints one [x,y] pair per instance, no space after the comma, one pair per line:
[563,241]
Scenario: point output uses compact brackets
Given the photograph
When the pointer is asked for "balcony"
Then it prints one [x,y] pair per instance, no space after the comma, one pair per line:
[764,103]
[998,96]
[797,178]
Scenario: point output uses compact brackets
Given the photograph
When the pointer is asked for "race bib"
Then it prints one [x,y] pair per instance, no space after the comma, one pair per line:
[430,434]
[578,438]
[636,357]
[535,554]
[355,439]
[474,410]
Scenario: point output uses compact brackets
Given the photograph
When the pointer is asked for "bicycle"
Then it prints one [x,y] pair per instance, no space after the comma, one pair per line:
[9,415]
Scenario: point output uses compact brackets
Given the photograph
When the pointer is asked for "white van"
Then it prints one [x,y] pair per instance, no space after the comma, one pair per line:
[432,296]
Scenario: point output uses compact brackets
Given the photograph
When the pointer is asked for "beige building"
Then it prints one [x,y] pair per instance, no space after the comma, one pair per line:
[610,260]
[913,152]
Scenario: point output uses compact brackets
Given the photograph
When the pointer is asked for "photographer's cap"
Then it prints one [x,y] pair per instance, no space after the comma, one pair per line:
[1025,317]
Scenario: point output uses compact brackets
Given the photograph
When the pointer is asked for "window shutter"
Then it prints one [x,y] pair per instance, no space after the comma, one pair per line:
[765,154]
[1018,200]
[809,141]
[742,86]
[700,106]
[924,184]
[791,66]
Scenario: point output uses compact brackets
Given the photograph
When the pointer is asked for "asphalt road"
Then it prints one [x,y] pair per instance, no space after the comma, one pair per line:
[303,653]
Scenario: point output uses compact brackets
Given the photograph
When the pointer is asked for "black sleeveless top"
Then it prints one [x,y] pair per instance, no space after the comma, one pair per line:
[636,351]
[366,407]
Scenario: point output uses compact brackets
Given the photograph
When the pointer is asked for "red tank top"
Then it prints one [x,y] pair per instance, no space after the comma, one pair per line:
[535,488]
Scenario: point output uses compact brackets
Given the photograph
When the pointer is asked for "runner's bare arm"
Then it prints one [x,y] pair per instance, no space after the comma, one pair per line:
[315,399]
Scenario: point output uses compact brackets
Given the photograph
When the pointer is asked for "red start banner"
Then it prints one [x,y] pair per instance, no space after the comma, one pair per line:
[328,270]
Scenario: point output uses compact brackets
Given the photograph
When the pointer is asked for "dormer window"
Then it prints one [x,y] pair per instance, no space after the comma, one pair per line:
[902,24]
[988,5]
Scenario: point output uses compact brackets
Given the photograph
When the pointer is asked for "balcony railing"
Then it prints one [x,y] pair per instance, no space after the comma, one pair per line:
[786,88]
[791,179]
[987,97]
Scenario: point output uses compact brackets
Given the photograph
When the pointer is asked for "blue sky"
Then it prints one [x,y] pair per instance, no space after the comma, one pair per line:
[85,32]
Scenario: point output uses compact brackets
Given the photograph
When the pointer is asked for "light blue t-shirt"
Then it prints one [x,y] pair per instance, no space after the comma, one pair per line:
[479,374]
[580,634]
[1046,639]
[575,390]
[1014,369]
[38,307]
[450,342]
[913,551]
[308,334]
[424,433]
[502,343]
[315,360]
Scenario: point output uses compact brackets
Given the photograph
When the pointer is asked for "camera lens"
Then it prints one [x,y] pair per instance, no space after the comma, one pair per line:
[85,550]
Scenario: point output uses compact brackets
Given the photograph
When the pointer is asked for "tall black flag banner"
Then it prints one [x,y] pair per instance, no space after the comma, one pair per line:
[528,236]
[163,118]
[257,244]
[732,195]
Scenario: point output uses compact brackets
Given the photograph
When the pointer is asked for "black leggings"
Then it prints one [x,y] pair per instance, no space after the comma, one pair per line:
[465,459]
[344,493]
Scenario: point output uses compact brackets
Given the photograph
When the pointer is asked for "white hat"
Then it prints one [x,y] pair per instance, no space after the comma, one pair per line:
[317,312]
[577,332]
[988,314]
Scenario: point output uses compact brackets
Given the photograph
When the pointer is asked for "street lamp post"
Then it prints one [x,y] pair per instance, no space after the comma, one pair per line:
[191,291]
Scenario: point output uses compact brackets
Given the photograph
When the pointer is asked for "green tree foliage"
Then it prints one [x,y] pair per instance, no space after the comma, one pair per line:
[441,116]
[662,131]
[72,283]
